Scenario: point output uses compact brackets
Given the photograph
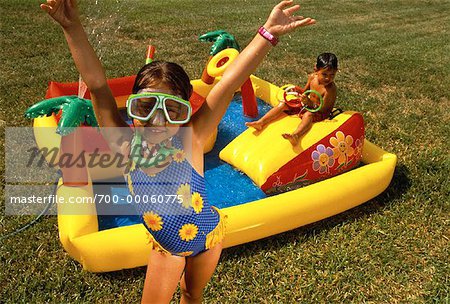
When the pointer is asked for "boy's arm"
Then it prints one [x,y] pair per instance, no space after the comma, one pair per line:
[308,83]
[303,98]
[329,99]
[280,22]
[86,61]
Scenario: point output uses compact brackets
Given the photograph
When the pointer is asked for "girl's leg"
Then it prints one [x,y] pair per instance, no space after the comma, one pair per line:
[268,117]
[302,128]
[163,274]
[198,271]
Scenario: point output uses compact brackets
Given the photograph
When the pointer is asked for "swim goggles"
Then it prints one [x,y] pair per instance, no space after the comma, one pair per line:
[142,106]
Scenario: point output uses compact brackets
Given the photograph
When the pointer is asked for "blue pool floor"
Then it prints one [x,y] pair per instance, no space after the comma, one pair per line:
[225,186]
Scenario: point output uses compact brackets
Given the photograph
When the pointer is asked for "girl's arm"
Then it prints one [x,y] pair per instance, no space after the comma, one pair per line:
[65,13]
[280,22]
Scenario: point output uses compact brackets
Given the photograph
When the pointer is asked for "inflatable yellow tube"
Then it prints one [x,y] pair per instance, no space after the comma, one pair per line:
[303,206]
[127,247]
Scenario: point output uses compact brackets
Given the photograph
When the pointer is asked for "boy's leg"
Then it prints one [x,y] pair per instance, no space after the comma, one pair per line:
[268,117]
[302,128]
[163,274]
[198,272]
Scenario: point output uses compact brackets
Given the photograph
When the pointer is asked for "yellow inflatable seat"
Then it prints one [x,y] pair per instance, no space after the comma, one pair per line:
[260,154]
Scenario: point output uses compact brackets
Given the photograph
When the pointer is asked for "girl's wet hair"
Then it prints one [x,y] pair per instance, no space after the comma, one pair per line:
[327,60]
[168,73]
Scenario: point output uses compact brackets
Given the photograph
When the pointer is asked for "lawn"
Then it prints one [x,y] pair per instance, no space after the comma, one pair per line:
[394,69]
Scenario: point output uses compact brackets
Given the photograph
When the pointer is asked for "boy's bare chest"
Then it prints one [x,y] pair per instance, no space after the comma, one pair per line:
[315,85]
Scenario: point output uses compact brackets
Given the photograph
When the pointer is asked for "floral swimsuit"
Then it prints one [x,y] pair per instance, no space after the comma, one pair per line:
[175,209]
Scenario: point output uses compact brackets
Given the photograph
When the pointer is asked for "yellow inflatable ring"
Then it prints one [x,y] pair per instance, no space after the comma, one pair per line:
[220,62]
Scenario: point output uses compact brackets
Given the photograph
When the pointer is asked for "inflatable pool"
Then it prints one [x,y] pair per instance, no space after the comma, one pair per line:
[260,181]
[267,160]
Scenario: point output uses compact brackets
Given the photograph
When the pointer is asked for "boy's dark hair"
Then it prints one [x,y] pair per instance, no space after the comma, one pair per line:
[165,72]
[327,60]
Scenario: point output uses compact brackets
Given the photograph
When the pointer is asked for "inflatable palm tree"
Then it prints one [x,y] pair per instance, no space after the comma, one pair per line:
[221,39]
[75,112]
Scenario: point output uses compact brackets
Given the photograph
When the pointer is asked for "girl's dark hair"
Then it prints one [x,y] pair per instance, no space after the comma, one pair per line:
[168,73]
[327,60]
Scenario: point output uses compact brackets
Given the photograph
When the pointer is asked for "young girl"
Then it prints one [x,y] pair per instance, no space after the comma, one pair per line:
[189,244]
[322,81]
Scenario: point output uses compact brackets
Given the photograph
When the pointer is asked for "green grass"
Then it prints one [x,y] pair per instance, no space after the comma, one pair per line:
[394,68]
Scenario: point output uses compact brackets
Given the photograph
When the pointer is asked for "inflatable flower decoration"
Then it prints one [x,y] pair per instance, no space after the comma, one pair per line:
[323,159]
[342,147]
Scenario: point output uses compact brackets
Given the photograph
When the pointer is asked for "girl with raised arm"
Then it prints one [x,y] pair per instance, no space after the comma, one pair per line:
[187,237]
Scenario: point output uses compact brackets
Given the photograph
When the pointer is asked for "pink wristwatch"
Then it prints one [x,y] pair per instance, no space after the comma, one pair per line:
[271,38]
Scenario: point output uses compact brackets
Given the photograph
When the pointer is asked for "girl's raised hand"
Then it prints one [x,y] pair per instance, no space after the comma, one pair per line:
[63,11]
[282,19]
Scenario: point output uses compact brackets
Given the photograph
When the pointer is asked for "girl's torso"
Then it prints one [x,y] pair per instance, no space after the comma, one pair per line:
[174,206]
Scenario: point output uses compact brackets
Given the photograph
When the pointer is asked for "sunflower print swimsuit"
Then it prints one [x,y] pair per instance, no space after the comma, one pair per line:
[174,207]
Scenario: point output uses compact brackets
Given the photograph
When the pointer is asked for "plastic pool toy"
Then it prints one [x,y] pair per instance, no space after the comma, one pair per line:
[291,97]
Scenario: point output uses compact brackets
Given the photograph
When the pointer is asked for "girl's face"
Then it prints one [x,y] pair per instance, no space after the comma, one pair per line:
[326,75]
[157,129]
